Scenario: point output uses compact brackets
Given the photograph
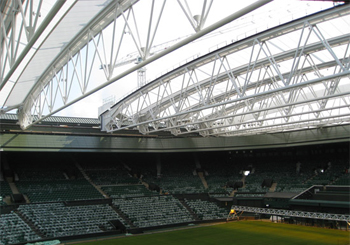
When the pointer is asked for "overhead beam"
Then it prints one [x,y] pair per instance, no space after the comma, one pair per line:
[25,111]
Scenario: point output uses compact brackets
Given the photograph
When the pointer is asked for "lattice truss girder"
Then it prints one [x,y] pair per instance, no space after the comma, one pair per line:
[291,77]
[21,23]
[293,213]
[93,59]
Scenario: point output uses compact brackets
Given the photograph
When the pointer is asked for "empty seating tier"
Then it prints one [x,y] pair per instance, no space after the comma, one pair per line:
[58,220]
[58,190]
[207,210]
[5,189]
[153,211]
[14,230]
[127,191]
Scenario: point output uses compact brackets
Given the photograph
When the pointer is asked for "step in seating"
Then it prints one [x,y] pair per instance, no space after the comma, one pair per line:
[58,220]
[14,230]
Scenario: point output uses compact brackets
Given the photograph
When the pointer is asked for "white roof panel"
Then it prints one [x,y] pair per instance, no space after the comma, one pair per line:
[72,23]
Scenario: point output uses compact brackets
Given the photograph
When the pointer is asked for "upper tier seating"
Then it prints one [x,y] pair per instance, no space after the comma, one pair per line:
[111,176]
[104,172]
[146,169]
[218,174]
[5,189]
[178,177]
[58,190]
[128,191]
[44,167]
[342,180]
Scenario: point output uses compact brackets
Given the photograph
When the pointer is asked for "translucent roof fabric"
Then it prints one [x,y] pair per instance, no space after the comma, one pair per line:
[47,64]
[78,16]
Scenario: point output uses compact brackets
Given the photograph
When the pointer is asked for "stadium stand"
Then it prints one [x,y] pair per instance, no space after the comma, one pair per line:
[178,180]
[58,190]
[169,190]
[207,210]
[58,220]
[5,189]
[128,191]
[14,230]
[102,172]
[153,211]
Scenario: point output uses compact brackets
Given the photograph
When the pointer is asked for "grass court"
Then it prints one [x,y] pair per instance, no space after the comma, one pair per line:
[242,232]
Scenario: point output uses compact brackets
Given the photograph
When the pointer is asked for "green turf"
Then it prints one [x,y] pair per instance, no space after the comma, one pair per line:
[243,232]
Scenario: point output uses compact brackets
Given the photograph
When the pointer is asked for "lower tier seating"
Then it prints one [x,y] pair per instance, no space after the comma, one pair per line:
[14,230]
[153,211]
[57,220]
[206,210]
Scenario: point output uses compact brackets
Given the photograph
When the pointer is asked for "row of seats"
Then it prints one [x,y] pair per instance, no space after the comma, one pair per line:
[207,210]
[58,190]
[35,167]
[217,184]
[172,177]
[5,189]
[127,191]
[180,184]
[56,219]
[111,177]
[153,211]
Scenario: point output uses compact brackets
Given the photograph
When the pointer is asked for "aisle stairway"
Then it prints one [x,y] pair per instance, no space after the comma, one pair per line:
[201,176]
[14,188]
[273,187]
[90,181]
[30,224]
[193,214]
[121,214]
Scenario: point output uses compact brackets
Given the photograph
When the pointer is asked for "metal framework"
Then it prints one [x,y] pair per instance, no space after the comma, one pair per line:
[290,77]
[114,32]
[293,213]
[21,24]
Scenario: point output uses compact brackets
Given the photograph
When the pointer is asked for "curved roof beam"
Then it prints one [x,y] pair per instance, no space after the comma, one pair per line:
[157,107]
[53,90]
[240,71]
[17,40]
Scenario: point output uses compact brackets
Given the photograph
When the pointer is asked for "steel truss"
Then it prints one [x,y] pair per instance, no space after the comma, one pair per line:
[293,213]
[16,40]
[96,52]
[257,85]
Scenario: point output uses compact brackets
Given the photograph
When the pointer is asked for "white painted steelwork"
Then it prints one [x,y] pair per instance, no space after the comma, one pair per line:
[293,213]
[291,77]
[68,77]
